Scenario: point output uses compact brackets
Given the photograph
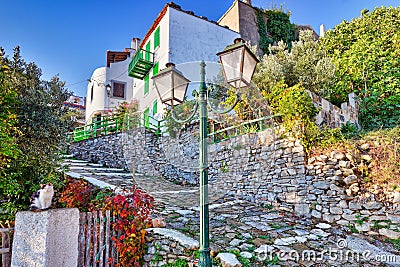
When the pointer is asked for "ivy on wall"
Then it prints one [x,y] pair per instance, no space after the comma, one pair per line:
[278,28]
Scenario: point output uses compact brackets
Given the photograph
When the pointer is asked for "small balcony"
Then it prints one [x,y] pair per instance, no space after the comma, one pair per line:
[141,64]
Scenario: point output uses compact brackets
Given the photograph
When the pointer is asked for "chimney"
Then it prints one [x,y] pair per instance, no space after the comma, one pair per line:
[135,43]
[247,2]
[322,30]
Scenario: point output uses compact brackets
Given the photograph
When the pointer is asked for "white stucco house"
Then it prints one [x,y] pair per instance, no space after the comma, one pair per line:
[176,36]
[113,76]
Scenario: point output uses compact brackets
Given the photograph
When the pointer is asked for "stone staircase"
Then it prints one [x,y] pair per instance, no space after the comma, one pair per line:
[166,193]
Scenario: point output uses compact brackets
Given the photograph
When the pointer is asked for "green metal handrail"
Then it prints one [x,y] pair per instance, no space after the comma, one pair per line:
[114,124]
[257,123]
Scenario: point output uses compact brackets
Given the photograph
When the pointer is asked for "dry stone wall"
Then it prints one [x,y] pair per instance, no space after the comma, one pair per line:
[166,246]
[106,150]
[262,168]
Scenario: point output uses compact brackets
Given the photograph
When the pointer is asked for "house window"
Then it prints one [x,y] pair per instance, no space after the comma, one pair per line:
[157,38]
[118,90]
[91,93]
[146,84]
[148,46]
[155,107]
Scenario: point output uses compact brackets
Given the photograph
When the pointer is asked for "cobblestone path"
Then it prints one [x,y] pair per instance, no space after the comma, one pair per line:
[263,235]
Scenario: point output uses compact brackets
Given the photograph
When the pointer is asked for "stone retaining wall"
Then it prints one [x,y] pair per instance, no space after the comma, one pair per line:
[106,150]
[260,168]
[167,246]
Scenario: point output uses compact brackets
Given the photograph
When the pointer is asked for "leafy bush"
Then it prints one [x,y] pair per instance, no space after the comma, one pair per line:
[132,210]
[77,194]
[304,64]
[32,127]
[366,53]
[181,112]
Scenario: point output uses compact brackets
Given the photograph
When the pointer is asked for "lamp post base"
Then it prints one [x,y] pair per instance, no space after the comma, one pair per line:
[205,258]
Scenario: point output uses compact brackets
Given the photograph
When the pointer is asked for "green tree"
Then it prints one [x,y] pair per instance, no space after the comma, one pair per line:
[304,64]
[8,120]
[366,53]
[39,110]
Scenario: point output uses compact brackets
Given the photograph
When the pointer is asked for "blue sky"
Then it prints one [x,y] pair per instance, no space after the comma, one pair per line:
[70,37]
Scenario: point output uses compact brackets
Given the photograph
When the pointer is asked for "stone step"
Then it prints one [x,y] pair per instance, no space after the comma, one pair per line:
[103,169]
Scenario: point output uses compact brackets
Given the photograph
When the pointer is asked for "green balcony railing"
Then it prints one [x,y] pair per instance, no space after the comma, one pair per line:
[141,64]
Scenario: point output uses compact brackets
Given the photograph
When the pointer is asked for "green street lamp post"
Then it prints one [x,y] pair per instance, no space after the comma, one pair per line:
[238,63]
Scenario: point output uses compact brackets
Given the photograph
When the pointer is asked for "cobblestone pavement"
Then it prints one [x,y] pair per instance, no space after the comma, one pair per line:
[164,192]
[261,235]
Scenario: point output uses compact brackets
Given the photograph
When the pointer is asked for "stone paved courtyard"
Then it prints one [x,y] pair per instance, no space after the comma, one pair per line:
[257,234]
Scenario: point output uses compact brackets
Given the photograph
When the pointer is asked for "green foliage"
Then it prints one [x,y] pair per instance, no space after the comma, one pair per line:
[316,138]
[396,243]
[265,40]
[297,114]
[366,53]
[350,131]
[272,260]
[360,219]
[352,228]
[181,112]
[279,28]
[36,124]
[292,103]
[8,120]
[305,63]
[245,262]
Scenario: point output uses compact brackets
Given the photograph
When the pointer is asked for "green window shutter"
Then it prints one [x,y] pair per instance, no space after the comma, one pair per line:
[154,107]
[157,38]
[146,117]
[155,69]
[146,84]
[148,46]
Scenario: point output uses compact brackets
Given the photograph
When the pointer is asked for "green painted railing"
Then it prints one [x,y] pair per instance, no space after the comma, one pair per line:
[250,126]
[108,125]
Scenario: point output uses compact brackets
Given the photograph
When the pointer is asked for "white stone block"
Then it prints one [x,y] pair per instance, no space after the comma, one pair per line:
[46,239]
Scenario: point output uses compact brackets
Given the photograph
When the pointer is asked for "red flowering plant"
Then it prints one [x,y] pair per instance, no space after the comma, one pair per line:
[77,194]
[130,211]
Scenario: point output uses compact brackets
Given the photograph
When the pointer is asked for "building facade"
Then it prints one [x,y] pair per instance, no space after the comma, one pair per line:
[176,36]
[113,77]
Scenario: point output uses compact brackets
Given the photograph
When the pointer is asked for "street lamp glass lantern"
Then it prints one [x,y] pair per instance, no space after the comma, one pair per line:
[238,63]
[171,85]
